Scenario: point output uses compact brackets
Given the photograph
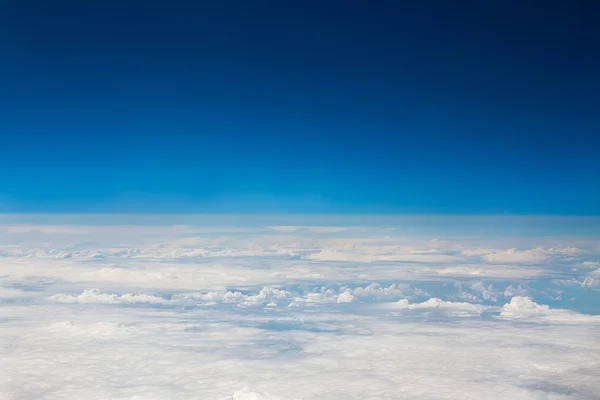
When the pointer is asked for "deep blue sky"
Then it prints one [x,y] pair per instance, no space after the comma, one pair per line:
[487,106]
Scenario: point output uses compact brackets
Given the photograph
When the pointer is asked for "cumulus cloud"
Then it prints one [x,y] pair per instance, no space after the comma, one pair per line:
[520,307]
[524,307]
[98,296]
[267,296]
[449,307]
[510,291]
[345,297]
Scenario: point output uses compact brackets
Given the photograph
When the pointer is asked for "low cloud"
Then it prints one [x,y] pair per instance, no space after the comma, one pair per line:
[513,255]
[525,308]
[288,313]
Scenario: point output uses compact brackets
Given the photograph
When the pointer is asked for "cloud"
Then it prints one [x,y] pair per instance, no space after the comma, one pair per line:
[510,291]
[524,307]
[520,307]
[527,256]
[448,307]
[43,229]
[486,292]
[590,282]
[374,255]
[187,312]
[479,271]
[7,293]
[98,296]
[246,394]
[311,229]
[267,296]
[345,297]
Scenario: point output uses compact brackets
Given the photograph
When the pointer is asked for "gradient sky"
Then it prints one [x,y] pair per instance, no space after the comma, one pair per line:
[448,107]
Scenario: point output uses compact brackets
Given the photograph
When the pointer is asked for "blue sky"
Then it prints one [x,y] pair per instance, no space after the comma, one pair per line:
[300,107]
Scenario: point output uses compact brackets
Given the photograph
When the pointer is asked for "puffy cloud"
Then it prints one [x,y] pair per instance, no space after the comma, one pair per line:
[345,297]
[98,296]
[486,292]
[510,291]
[449,307]
[524,307]
[267,296]
[590,282]
[520,307]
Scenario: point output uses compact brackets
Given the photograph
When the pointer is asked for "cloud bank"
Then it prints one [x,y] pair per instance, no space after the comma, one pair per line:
[130,311]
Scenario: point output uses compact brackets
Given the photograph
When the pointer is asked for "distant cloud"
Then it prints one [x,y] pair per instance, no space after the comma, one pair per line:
[525,307]
[43,229]
[523,256]
[135,312]
[98,296]
[369,255]
[449,307]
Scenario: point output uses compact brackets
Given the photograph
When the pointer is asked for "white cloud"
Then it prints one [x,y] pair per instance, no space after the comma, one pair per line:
[590,282]
[524,307]
[510,291]
[486,292]
[185,312]
[491,271]
[345,297]
[98,296]
[590,264]
[311,229]
[529,256]
[449,307]
[370,255]
[246,394]
[520,307]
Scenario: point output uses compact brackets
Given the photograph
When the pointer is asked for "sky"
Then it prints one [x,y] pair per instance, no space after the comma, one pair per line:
[387,107]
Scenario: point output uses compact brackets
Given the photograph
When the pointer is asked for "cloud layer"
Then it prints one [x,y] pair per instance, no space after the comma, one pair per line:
[295,312]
